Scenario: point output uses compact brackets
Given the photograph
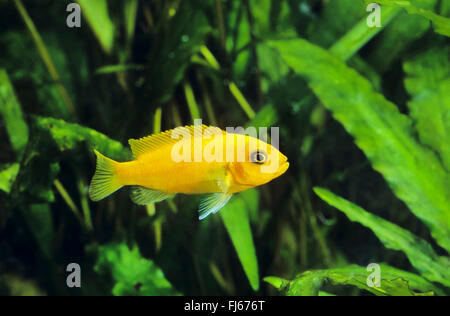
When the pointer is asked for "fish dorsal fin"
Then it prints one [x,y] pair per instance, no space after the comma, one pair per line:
[149,143]
[144,196]
[213,203]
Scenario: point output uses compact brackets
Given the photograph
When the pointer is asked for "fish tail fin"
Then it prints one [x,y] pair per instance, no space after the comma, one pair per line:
[105,180]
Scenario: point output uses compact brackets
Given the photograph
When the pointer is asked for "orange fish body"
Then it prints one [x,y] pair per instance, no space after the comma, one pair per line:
[190,160]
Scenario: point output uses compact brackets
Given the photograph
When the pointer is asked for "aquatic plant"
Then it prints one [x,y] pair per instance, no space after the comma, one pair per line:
[362,111]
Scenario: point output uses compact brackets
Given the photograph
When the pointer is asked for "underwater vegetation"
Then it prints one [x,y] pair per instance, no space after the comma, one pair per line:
[363,114]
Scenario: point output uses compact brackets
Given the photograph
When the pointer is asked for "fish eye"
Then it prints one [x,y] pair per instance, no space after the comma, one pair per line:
[258,157]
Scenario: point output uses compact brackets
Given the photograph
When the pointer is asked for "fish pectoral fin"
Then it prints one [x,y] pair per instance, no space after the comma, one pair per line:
[213,203]
[144,196]
[224,181]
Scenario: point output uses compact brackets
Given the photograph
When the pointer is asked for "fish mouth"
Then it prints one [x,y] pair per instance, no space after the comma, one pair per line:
[283,168]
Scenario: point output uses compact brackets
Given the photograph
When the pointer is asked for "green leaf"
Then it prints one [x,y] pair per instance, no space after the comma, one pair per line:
[309,283]
[50,95]
[68,135]
[428,82]
[397,37]
[237,45]
[440,24]
[50,137]
[97,15]
[251,200]
[271,66]
[265,117]
[109,69]
[130,15]
[275,281]
[182,38]
[12,115]
[132,274]
[45,56]
[350,43]
[19,286]
[419,252]
[39,221]
[236,220]
[385,135]
[8,175]
[335,20]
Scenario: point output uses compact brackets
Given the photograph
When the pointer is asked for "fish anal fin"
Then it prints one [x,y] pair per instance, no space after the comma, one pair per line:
[144,196]
[213,203]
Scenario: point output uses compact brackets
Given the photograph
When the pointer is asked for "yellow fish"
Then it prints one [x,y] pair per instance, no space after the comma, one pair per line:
[190,160]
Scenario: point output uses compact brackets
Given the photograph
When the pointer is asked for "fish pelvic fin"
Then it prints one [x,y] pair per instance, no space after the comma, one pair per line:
[105,181]
[144,196]
[212,204]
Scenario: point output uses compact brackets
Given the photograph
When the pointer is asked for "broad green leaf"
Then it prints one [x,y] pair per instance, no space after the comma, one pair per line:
[40,165]
[109,69]
[50,95]
[260,12]
[8,175]
[392,282]
[352,41]
[68,135]
[131,273]
[251,200]
[323,293]
[97,15]
[428,82]
[19,286]
[275,281]
[236,220]
[11,112]
[265,117]
[440,24]
[271,66]
[397,37]
[419,252]
[39,221]
[45,56]
[445,8]
[183,37]
[414,172]
[335,20]
[130,15]
[416,282]
[237,44]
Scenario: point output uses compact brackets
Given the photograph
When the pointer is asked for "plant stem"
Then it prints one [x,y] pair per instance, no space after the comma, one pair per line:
[85,204]
[45,57]
[207,101]
[192,103]
[157,120]
[232,86]
[360,34]
[66,197]
[220,24]
[209,57]
[241,100]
